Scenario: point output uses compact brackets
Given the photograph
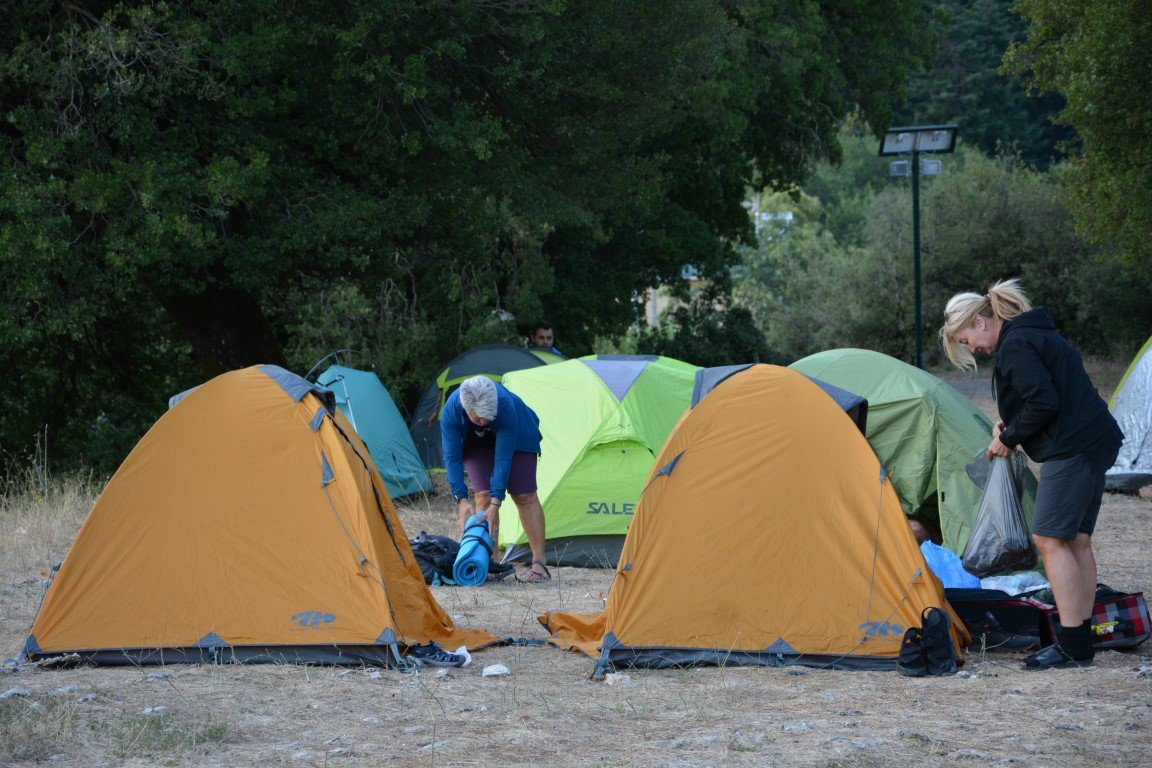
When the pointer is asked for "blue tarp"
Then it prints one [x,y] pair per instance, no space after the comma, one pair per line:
[948,567]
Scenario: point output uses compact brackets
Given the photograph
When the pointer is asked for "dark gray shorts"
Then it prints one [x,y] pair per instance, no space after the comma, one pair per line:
[1068,498]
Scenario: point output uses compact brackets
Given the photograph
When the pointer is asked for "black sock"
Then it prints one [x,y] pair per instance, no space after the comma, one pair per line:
[1076,642]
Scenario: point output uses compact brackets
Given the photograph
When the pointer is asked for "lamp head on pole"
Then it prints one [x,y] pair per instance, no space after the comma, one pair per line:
[916,139]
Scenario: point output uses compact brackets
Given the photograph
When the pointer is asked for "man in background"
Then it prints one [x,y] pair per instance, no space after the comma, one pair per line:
[544,337]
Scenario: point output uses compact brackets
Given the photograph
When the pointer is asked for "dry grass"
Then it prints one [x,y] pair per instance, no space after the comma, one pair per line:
[548,712]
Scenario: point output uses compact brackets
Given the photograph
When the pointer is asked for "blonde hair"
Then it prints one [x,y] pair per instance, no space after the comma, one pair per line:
[1004,300]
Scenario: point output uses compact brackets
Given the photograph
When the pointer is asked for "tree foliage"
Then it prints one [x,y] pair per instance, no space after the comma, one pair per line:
[197,185]
[1095,55]
[709,329]
[982,220]
[964,86]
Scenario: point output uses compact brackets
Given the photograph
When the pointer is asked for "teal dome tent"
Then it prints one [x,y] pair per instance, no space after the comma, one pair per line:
[366,402]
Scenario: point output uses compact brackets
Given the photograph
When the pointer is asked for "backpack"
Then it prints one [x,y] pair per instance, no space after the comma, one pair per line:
[928,649]
[436,556]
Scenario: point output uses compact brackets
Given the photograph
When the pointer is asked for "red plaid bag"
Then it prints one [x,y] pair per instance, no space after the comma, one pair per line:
[1119,619]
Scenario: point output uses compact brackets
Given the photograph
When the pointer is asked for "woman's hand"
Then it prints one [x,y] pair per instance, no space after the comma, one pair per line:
[464,510]
[997,428]
[492,516]
[997,448]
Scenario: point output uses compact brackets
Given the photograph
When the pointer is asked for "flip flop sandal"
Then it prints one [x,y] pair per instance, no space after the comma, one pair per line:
[534,577]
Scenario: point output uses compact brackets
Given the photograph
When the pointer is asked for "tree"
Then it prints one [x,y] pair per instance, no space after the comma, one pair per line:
[708,330]
[808,291]
[964,86]
[205,184]
[845,189]
[1095,55]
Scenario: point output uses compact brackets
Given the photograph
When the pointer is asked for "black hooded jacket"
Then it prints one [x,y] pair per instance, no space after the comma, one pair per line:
[1046,400]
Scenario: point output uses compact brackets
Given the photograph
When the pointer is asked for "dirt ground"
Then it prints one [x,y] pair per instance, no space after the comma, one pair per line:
[548,711]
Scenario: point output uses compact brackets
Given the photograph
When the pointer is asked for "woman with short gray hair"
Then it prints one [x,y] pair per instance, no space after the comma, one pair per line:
[490,433]
[478,396]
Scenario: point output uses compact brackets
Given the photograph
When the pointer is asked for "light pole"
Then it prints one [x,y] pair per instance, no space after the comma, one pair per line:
[916,140]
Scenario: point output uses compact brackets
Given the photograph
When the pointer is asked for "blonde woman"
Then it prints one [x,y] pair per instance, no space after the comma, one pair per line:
[1049,407]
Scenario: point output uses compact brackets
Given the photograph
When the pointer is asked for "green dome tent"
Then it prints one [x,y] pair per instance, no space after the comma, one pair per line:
[603,419]
[366,402]
[923,431]
[1131,406]
[491,360]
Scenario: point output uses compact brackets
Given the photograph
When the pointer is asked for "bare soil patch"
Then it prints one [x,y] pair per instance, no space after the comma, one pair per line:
[549,711]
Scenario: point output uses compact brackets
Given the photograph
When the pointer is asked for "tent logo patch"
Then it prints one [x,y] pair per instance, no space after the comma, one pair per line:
[610,508]
[313,618]
[881,628]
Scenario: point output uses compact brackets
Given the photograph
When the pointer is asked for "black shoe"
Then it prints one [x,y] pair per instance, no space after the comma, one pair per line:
[433,655]
[996,638]
[911,662]
[499,571]
[1054,657]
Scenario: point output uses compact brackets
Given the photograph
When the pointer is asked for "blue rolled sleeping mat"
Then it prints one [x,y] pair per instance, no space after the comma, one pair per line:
[471,567]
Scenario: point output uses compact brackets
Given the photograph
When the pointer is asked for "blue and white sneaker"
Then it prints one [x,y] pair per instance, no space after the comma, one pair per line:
[433,655]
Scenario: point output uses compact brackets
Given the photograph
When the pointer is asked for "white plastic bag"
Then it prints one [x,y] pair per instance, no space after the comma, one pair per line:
[999,541]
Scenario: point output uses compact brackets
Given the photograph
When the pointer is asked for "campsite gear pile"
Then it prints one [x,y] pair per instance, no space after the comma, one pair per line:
[1120,620]
[436,556]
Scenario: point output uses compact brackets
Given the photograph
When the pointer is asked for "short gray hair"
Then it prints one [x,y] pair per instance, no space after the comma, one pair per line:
[478,396]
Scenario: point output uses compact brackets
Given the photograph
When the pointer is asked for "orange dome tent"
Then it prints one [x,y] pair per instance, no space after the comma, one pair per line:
[249,524]
[767,534]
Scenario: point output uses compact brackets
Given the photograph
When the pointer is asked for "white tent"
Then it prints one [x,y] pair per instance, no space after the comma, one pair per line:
[1131,405]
